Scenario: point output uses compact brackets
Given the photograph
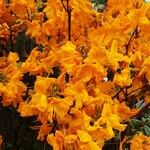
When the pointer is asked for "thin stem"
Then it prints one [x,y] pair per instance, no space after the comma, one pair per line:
[68,11]
[146,86]
[131,38]
[44,148]
[11,40]
[126,93]
[118,93]
[28,15]
[69,25]
[62,2]
[3,48]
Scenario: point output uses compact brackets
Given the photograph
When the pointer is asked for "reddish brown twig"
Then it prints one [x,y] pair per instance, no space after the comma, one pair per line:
[135,32]
[68,10]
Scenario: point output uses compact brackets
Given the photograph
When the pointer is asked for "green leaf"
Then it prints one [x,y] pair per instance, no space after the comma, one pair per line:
[143,119]
[146,130]
[135,123]
[147,122]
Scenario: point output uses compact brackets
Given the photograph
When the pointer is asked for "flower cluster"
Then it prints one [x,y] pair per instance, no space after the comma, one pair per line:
[88,66]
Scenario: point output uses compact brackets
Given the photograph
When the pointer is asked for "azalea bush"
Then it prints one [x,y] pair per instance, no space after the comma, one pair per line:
[73,78]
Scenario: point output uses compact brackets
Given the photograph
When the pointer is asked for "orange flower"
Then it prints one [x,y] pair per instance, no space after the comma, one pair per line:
[39,101]
[87,141]
[112,121]
[82,6]
[69,57]
[44,131]
[78,92]
[51,87]
[2,6]
[97,54]
[25,110]
[114,57]
[44,85]
[11,87]
[123,78]
[12,92]
[87,71]
[75,107]
[125,113]
[140,142]
[74,119]
[20,7]
[33,28]
[145,68]
[12,57]
[56,140]
[60,141]
[34,65]
[58,108]
[1,141]
[147,98]
[35,106]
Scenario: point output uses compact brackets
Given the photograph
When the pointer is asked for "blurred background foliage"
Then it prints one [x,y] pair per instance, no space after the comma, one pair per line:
[97,2]
[99,5]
